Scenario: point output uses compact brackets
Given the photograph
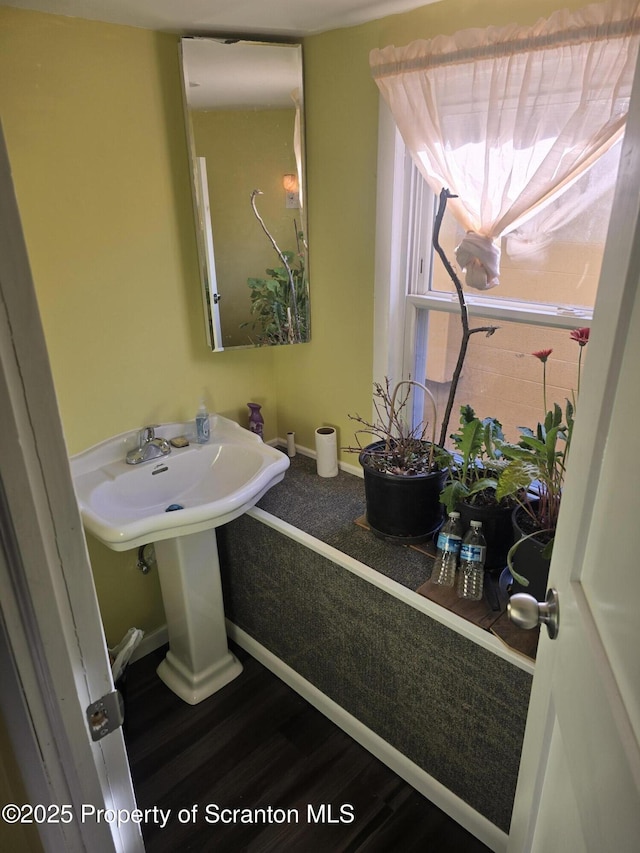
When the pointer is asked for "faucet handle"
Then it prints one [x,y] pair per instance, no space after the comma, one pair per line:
[147,434]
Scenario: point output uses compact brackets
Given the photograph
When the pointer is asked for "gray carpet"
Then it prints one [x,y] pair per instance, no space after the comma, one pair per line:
[454,708]
[327,507]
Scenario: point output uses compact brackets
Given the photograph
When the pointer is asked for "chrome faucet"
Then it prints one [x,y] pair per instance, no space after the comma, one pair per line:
[149,447]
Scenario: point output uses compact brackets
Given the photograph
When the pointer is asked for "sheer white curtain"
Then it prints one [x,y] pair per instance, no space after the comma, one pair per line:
[508,118]
[593,191]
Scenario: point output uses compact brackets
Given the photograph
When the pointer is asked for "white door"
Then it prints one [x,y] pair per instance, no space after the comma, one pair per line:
[53,657]
[579,783]
[212,296]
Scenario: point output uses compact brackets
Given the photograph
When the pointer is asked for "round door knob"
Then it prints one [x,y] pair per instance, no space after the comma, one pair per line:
[525,612]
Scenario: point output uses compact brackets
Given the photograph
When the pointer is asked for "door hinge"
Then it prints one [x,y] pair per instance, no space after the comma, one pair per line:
[105,715]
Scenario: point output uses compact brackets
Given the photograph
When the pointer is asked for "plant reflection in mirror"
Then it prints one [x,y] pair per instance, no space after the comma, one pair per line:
[280,303]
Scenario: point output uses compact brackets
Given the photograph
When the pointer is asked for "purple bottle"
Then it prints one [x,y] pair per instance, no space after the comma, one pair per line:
[256,421]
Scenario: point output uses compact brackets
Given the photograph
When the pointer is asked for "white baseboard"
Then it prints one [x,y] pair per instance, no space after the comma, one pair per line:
[425,784]
[150,642]
[347,467]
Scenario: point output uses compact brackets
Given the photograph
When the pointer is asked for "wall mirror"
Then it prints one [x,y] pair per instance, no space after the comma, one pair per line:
[245,125]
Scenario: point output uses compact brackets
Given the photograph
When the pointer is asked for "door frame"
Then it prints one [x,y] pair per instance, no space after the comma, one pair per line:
[52,646]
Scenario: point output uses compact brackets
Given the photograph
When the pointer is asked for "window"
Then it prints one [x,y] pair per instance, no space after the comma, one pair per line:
[548,287]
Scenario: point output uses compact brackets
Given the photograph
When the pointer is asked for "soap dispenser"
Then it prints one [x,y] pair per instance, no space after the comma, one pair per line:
[202,424]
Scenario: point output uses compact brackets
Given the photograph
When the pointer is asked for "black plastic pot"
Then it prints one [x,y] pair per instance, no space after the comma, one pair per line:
[528,560]
[497,529]
[404,509]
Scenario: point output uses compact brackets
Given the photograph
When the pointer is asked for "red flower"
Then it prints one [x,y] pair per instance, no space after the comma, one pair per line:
[542,354]
[581,336]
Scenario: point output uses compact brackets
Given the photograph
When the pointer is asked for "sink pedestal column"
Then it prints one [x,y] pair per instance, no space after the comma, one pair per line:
[198,662]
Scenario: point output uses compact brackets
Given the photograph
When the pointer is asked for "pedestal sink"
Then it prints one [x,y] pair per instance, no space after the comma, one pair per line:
[176,502]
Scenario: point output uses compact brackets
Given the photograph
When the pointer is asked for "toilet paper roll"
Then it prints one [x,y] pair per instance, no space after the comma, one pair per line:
[327,452]
[291,444]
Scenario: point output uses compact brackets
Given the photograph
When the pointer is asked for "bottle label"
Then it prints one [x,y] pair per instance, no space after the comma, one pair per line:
[473,553]
[202,429]
[448,543]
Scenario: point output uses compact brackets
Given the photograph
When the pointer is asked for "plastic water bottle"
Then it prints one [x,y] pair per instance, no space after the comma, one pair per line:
[472,556]
[449,542]
[202,424]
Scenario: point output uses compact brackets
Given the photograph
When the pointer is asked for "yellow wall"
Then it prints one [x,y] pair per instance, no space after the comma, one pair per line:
[93,118]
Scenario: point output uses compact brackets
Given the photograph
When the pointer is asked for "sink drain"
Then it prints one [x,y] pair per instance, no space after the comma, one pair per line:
[173,507]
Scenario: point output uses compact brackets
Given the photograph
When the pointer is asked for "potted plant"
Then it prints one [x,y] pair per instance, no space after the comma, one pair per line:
[404,470]
[472,482]
[534,476]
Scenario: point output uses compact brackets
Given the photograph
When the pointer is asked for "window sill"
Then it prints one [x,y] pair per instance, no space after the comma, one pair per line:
[564,317]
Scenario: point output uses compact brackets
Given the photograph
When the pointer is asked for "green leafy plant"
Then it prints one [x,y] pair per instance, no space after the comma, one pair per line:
[477,462]
[537,465]
[272,303]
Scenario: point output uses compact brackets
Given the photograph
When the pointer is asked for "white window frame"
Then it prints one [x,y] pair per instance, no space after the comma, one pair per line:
[404,224]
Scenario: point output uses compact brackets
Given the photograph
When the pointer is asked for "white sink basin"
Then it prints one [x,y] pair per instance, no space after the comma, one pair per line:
[125,506]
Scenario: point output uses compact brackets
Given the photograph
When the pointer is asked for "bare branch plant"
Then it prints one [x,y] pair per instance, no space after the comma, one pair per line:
[410,450]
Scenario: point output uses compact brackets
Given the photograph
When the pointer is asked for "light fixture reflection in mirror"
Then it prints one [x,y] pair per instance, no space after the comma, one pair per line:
[291,186]
[244,110]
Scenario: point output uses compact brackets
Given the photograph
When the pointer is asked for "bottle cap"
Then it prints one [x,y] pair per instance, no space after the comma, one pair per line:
[475,523]
[454,515]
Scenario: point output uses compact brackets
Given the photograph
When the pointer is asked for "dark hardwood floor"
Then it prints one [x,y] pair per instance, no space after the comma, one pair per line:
[257,745]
